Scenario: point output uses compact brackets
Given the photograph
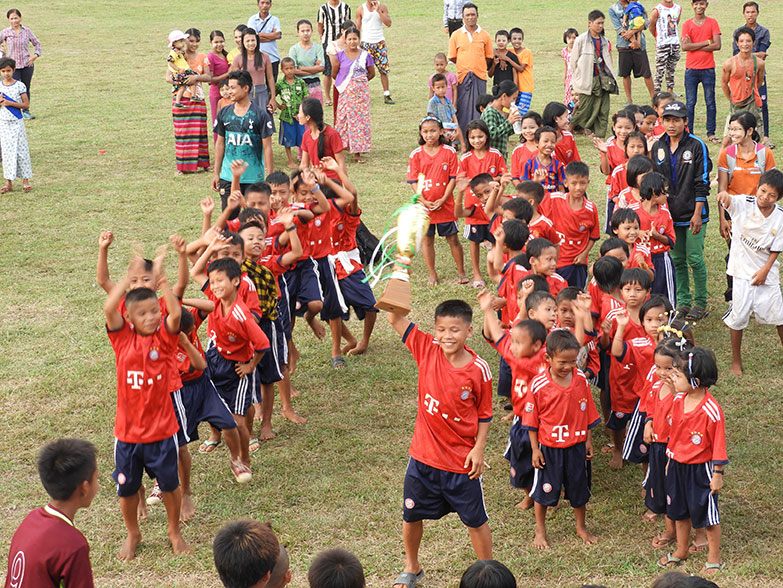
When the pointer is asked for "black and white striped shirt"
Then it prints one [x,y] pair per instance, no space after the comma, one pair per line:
[332,17]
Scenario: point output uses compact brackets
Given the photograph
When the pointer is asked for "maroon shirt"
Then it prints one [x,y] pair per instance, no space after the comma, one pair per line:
[47,550]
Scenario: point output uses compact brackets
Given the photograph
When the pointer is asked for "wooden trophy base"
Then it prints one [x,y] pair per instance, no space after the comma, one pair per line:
[396,297]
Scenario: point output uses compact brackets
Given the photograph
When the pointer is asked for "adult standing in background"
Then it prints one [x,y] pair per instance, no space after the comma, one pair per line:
[750,10]
[452,15]
[331,16]
[268,29]
[470,47]
[632,48]
[664,24]
[371,17]
[593,80]
[16,41]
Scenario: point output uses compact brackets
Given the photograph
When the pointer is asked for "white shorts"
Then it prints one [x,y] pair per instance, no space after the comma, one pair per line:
[766,302]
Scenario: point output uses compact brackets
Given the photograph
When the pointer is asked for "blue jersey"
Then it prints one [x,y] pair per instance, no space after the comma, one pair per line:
[244,140]
[555,173]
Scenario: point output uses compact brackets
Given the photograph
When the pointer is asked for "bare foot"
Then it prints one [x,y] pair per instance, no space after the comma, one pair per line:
[540,541]
[294,391]
[265,434]
[359,349]
[649,516]
[586,536]
[525,504]
[291,415]
[293,357]
[257,411]
[608,448]
[178,545]
[188,510]
[128,551]
[349,346]
[736,369]
[616,463]
[318,328]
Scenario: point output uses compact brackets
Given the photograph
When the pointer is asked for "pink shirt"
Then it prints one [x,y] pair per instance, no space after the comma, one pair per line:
[218,66]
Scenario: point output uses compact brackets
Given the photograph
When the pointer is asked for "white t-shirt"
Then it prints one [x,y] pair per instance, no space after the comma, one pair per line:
[14,92]
[666,27]
[753,238]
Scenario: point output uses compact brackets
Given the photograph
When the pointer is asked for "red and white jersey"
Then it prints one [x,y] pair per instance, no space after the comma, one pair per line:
[320,233]
[615,155]
[507,288]
[519,157]
[451,404]
[233,225]
[642,249]
[658,129]
[492,163]
[236,334]
[596,298]
[562,416]
[248,294]
[347,260]
[47,551]
[659,410]
[523,370]
[625,198]
[276,229]
[618,181]
[186,370]
[640,351]
[145,413]
[662,221]
[565,148]
[543,228]
[438,171]
[698,436]
[624,374]
[574,227]
[556,282]
[477,215]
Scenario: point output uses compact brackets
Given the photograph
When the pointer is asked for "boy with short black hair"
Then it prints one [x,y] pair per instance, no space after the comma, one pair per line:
[245,552]
[540,226]
[625,224]
[47,549]
[542,257]
[335,568]
[545,168]
[447,451]
[559,415]
[575,218]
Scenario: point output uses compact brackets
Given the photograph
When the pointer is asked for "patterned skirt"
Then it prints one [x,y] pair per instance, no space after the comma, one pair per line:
[191,141]
[353,116]
[16,153]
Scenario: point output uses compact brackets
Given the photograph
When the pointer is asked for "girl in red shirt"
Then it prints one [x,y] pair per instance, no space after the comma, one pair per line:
[527,148]
[556,116]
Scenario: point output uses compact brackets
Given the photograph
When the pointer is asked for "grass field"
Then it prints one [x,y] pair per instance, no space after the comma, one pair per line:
[337,480]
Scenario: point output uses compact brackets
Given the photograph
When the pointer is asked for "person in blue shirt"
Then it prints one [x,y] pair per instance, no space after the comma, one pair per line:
[269,31]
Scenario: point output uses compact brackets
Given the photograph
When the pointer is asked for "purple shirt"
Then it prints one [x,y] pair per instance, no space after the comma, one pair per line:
[218,66]
[18,45]
[360,69]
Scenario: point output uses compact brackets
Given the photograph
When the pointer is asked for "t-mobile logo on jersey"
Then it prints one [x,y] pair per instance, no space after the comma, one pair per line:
[431,404]
[135,379]
[560,433]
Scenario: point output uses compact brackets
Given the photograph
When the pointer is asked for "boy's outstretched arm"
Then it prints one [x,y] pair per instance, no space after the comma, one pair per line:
[492,202]
[202,304]
[295,253]
[196,359]
[105,239]
[344,197]
[618,345]
[173,305]
[495,257]
[492,328]
[198,271]
[459,198]
[183,272]
[207,207]
[114,319]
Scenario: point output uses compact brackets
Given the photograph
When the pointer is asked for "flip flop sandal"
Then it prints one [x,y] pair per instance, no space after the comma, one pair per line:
[408,579]
[711,568]
[696,314]
[463,280]
[693,548]
[433,282]
[659,541]
[478,283]
[254,445]
[209,446]
[714,139]
[5,190]
[338,362]
[671,561]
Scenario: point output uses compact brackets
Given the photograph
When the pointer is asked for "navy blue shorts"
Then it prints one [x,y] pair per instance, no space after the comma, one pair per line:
[334,305]
[504,379]
[358,295]
[431,493]
[566,467]
[236,392]
[575,275]
[519,454]
[284,307]
[269,369]
[159,459]
[618,421]
[444,229]
[303,286]
[291,134]
[196,402]
[688,494]
[635,449]
[664,281]
[655,480]
[479,234]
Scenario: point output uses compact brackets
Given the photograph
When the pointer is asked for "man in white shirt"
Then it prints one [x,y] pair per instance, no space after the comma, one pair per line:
[371,17]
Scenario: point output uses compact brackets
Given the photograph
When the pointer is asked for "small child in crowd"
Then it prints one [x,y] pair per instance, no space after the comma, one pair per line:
[451,78]
[444,110]
[179,68]
[290,90]
[525,70]
[545,167]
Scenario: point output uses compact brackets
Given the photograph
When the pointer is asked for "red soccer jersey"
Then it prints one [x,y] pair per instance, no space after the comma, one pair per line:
[625,373]
[556,282]
[47,551]
[507,288]
[618,181]
[596,298]
[658,129]
[542,228]
[347,260]
[233,225]
[184,366]
[555,173]
[276,229]
[662,221]
[492,163]
[625,198]
[477,216]
[574,227]
[523,370]
[144,410]
[642,249]
[235,334]
[320,234]
[451,404]
[438,171]
[697,436]
[562,416]
[659,410]
[565,149]
[519,157]
[333,144]
[615,155]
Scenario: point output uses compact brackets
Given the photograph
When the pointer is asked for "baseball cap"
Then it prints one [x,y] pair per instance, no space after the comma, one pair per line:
[176,35]
[675,108]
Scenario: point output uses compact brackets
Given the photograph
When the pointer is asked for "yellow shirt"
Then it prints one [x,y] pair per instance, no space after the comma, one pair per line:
[177,60]
[525,78]
[471,52]
[232,54]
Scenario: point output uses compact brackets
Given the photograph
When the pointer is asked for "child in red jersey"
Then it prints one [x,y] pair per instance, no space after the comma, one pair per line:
[145,348]
[613,149]
[697,457]
[625,191]
[545,168]
[527,147]
[479,157]
[559,415]
[480,201]
[522,347]
[556,115]
[510,238]
[647,125]
[625,224]
[538,305]
[659,102]
[655,222]
[542,257]
[47,550]
[236,344]
[575,218]
[636,149]
[439,165]
[447,451]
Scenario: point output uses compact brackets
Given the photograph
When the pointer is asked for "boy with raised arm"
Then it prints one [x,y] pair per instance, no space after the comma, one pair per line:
[145,347]
[447,451]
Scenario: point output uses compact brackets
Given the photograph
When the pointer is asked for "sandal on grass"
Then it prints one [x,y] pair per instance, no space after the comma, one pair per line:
[698,547]
[5,190]
[661,541]
[408,579]
[712,568]
[696,314]
[254,445]
[463,280]
[478,283]
[434,282]
[209,446]
[670,561]
[714,139]
[338,362]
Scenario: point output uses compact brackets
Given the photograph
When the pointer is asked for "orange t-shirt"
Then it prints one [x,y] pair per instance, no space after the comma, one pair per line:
[471,50]
[525,78]
[745,178]
[743,81]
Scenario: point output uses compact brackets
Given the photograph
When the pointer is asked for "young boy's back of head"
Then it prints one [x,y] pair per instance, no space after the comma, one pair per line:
[281,572]
[335,568]
[487,573]
[652,185]
[520,208]
[607,271]
[516,234]
[245,552]
[64,464]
